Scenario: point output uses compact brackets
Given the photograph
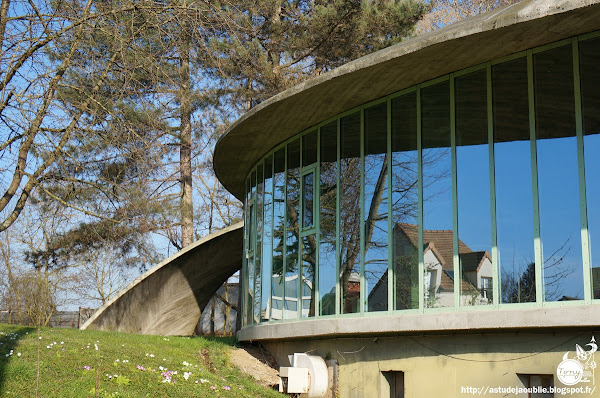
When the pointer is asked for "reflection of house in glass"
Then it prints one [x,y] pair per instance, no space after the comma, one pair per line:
[439,275]
[289,308]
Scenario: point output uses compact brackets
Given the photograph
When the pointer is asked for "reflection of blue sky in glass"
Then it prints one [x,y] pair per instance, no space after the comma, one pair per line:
[267,251]
[474,224]
[592,175]
[327,219]
[559,217]
[437,189]
[514,207]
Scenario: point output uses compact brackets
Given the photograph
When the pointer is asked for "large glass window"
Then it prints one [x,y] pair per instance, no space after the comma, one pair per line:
[309,157]
[376,208]
[259,241]
[514,202]
[308,200]
[244,272]
[437,196]
[327,219]
[405,195]
[267,251]
[589,58]
[292,230]
[277,284]
[309,261]
[350,177]
[558,175]
[473,189]
[250,268]
[319,239]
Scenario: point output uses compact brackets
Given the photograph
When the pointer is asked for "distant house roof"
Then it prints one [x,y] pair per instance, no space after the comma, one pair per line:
[471,262]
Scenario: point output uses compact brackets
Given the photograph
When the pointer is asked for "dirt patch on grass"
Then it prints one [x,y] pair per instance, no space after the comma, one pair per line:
[256,362]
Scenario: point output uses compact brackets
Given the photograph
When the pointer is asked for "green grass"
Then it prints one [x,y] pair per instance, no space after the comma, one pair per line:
[65,355]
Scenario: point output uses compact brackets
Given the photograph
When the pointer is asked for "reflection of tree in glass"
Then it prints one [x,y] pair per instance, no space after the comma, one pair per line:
[436,172]
[404,209]
[349,232]
[521,289]
[327,227]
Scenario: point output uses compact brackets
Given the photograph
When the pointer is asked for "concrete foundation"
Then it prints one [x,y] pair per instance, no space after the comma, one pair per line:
[446,365]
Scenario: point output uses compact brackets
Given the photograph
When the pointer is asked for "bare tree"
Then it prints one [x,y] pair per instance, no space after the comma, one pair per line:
[446,12]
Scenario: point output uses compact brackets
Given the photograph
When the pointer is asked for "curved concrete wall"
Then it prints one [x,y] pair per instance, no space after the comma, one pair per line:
[169,298]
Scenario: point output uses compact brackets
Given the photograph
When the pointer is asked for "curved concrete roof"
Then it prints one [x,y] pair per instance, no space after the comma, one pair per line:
[169,298]
[492,35]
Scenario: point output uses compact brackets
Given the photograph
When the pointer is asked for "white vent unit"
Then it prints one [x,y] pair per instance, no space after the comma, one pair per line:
[307,375]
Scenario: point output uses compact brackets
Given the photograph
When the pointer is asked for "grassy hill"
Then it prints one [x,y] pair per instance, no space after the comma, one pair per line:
[74,363]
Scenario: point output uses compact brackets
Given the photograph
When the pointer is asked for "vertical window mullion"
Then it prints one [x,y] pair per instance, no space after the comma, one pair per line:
[390,277]
[490,124]
[539,277]
[338,295]
[317,221]
[585,246]
[420,202]
[300,241]
[285,227]
[270,303]
[455,262]
[362,212]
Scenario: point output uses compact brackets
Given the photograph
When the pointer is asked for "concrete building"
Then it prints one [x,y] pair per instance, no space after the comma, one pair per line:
[428,216]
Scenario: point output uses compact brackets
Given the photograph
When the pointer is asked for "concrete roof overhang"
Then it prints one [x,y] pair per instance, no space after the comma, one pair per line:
[489,36]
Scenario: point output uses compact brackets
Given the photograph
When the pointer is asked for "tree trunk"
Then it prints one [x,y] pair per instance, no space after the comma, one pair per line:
[185,152]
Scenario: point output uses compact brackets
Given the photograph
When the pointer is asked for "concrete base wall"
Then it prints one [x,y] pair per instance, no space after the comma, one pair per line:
[444,365]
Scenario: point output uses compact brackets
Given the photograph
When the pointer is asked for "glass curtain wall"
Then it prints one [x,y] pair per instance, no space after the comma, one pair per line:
[292,234]
[309,240]
[267,250]
[420,200]
[589,59]
[514,195]
[350,212]
[328,183]
[437,227]
[251,250]
[404,203]
[473,189]
[558,174]
[375,204]
[277,277]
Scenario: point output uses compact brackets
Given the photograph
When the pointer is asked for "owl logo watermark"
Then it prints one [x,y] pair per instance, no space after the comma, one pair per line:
[580,368]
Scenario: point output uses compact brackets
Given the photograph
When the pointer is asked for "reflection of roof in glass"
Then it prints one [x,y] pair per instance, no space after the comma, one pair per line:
[440,242]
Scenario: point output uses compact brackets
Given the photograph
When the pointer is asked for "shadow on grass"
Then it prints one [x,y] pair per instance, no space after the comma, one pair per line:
[8,342]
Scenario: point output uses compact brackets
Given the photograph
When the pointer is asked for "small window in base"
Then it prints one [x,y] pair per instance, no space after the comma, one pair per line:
[538,385]
[393,387]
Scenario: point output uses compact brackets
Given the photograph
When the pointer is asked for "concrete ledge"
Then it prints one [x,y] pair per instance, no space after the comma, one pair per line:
[498,33]
[169,298]
[530,318]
